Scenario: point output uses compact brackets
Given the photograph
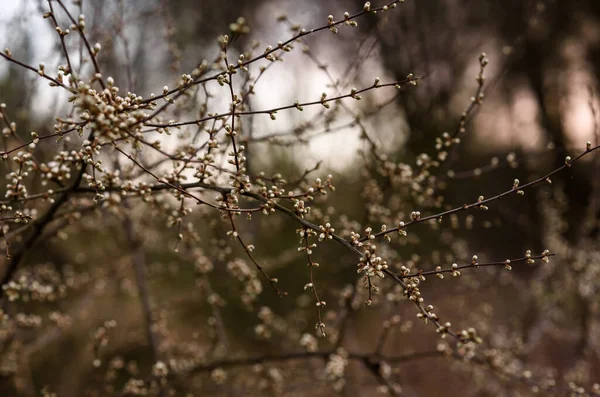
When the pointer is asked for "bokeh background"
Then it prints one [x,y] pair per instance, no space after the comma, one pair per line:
[540,105]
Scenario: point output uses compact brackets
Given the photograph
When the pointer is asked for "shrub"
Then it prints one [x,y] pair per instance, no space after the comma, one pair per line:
[175,243]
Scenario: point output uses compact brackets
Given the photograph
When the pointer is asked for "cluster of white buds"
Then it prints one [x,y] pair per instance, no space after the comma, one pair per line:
[222,79]
[401,231]
[17,217]
[320,329]
[109,115]
[545,257]
[445,140]
[305,245]
[355,239]
[443,329]
[135,387]
[264,330]
[331,23]
[62,320]
[530,260]
[309,343]
[428,315]
[186,80]
[101,338]
[160,369]
[412,291]
[284,47]
[348,21]
[335,369]
[28,320]
[470,335]
[455,272]
[203,170]
[27,288]
[481,206]
[300,208]
[245,274]
[16,189]
[370,264]
[219,376]
[202,264]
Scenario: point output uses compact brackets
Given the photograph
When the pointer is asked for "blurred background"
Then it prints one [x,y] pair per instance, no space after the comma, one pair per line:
[540,104]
